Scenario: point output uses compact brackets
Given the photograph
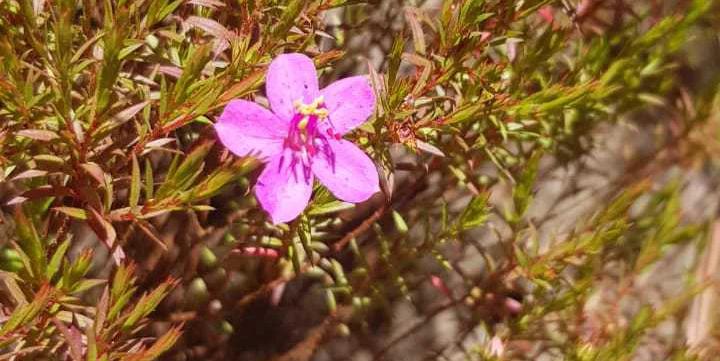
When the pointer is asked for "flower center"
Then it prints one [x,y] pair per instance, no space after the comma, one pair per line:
[310,130]
[310,127]
[315,110]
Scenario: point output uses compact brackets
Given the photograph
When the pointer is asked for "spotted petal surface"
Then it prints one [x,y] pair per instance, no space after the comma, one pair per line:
[346,171]
[246,128]
[350,102]
[283,189]
[290,77]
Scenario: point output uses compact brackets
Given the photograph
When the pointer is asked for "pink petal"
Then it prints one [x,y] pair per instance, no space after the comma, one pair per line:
[348,172]
[283,190]
[290,77]
[350,102]
[247,128]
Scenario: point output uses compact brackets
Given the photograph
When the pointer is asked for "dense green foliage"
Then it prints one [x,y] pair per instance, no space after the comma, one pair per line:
[129,232]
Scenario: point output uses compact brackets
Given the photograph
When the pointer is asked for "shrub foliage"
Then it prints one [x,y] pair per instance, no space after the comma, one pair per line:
[503,225]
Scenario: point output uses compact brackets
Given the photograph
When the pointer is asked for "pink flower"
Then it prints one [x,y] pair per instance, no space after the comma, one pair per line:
[302,137]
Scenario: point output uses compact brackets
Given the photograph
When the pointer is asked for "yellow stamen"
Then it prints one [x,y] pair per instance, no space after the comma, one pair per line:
[307,110]
[302,124]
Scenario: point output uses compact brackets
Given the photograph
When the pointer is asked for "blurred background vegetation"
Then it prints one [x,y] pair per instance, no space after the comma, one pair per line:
[548,170]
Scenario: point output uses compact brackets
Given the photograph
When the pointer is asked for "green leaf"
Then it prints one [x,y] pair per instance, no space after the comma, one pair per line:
[328,207]
[287,19]
[75,272]
[400,224]
[27,313]
[418,35]
[147,304]
[30,242]
[188,170]
[162,345]
[149,180]
[216,181]
[475,213]
[523,190]
[56,260]
[134,183]
[91,337]
[192,70]
[73,212]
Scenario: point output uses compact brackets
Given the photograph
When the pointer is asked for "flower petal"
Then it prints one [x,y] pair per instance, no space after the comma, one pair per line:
[290,77]
[350,102]
[247,128]
[282,189]
[346,171]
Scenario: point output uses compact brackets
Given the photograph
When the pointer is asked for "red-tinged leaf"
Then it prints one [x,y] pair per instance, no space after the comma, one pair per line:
[48,191]
[16,201]
[328,57]
[11,285]
[173,71]
[94,170]
[17,354]
[158,212]
[102,310]
[85,46]
[102,227]
[212,4]
[168,150]
[77,213]
[159,142]
[210,26]
[127,114]
[121,215]
[78,130]
[30,173]
[324,35]
[418,36]
[38,134]
[72,338]
[429,148]
[25,314]
[244,87]
[49,162]
[164,343]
